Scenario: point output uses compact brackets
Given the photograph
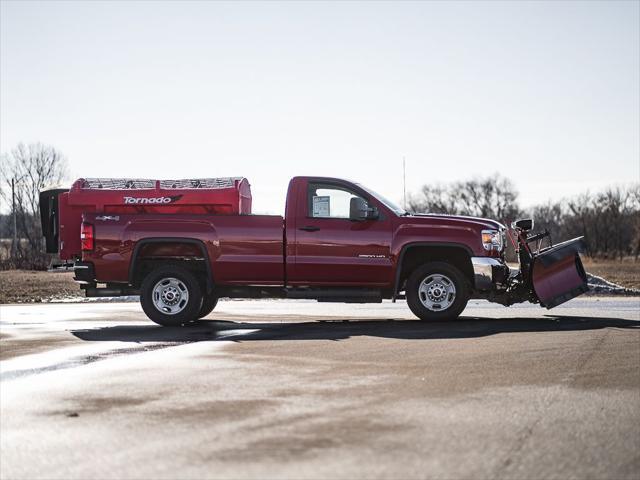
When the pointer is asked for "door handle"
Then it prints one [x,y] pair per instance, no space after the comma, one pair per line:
[310,228]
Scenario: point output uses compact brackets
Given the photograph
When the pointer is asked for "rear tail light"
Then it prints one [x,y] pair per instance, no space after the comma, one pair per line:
[87,237]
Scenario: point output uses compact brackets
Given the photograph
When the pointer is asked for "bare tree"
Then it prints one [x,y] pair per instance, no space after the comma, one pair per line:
[26,170]
[550,216]
[433,199]
[494,197]
[609,221]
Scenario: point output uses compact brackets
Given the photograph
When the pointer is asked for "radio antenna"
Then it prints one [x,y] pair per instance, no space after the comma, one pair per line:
[404,181]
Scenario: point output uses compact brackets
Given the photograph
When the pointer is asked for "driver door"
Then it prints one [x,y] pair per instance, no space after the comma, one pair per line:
[331,249]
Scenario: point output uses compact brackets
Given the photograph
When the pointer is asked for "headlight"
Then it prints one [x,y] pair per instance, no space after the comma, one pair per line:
[493,240]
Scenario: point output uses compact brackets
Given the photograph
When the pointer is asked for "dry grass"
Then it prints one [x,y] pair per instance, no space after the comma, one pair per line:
[625,272]
[25,286]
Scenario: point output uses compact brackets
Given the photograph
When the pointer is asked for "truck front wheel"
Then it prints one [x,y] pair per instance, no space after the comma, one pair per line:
[170,295]
[437,291]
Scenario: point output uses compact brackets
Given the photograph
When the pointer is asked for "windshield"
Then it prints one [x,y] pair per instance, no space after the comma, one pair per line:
[398,210]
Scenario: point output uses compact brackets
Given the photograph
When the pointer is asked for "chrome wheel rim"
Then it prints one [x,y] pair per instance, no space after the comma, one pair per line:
[437,292]
[170,296]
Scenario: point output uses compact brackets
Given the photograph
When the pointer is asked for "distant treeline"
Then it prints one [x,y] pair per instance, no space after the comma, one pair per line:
[609,220]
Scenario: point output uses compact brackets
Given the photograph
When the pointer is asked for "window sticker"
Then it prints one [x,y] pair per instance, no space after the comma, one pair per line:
[321,206]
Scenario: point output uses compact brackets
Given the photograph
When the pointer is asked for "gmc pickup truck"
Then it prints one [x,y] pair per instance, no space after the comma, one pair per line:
[183,244]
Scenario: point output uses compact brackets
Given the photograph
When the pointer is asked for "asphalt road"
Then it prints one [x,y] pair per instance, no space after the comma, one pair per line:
[279,389]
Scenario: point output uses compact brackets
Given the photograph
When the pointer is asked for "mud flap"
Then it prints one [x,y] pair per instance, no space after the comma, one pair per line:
[558,274]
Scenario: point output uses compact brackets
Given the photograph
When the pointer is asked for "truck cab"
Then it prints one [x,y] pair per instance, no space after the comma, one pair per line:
[183,244]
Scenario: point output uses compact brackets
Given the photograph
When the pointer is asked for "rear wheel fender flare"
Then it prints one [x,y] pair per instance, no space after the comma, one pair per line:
[133,263]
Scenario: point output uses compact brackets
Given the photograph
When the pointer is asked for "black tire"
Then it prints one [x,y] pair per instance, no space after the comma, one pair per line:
[436,276]
[184,281]
[209,302]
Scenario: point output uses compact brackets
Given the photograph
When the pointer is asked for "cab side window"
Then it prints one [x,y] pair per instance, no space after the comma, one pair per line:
[329,201]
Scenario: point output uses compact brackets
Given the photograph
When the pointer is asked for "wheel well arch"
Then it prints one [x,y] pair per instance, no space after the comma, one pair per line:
[190,252]
[415,254]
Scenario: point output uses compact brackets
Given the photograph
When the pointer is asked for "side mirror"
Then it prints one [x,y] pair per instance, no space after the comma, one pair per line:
[524,224]
[359,210]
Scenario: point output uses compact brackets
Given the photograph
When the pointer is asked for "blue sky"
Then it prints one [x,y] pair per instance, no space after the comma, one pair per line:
[546,93]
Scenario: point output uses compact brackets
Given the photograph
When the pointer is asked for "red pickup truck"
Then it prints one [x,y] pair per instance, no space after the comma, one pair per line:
[183,244]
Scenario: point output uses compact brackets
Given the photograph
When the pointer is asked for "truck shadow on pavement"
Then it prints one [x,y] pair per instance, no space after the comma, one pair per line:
[323,329]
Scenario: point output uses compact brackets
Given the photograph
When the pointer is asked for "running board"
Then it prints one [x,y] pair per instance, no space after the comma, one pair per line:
[343,295]
[109,291]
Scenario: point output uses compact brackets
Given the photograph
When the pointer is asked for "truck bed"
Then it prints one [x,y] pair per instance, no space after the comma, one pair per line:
[242,249]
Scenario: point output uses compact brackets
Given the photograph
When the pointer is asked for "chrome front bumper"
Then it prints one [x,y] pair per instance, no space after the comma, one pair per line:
[484,271]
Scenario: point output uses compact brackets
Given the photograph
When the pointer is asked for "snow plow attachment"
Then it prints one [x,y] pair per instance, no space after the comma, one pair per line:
[557,273]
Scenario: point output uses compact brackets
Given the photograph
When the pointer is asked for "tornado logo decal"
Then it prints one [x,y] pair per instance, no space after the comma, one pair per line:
[152,200]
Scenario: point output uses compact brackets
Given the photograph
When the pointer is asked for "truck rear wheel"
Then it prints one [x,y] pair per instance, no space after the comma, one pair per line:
[437,291]
[209,302]
[170,295]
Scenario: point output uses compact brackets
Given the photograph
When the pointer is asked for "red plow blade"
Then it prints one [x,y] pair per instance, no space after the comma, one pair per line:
[558,274]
